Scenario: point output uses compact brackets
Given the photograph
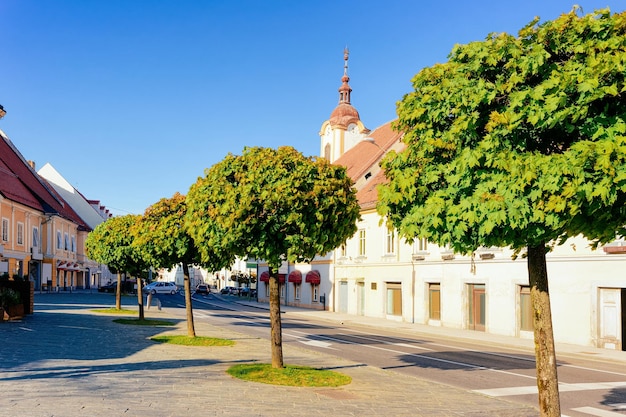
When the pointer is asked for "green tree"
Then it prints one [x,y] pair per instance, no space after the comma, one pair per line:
[275,205]
[110,243]
[518,141]
[164,242]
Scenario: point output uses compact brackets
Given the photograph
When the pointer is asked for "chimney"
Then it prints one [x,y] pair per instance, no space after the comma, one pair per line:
[32,164]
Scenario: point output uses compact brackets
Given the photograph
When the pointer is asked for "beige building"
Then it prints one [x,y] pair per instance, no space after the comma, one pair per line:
[377,274]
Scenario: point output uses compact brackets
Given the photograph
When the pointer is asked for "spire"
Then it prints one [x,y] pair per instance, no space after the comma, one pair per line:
[345,90]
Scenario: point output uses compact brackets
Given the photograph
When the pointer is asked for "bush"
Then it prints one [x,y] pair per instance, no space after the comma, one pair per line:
[9,297]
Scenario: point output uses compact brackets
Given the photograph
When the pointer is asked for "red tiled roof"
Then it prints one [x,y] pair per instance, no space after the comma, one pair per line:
[363,159]
[20,183]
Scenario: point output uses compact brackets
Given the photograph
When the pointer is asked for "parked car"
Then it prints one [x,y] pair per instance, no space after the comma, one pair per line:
[112,287]
[160,287]
[229,290]
[203,289]
[234,291]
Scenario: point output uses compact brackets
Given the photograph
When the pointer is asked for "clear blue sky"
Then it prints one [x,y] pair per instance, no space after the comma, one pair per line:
[130,100]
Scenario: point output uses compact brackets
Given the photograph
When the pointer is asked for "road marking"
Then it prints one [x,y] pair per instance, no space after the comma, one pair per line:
[597,412]
[317,343]
[532,389]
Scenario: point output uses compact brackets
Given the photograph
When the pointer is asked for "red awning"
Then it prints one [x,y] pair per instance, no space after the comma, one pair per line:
[265,277]
[313,277]
[295,276]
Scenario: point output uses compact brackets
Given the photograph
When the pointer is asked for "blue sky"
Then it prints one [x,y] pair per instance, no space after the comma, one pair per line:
[130,100]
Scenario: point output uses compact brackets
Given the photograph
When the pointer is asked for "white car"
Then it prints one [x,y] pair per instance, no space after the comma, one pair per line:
[160,287]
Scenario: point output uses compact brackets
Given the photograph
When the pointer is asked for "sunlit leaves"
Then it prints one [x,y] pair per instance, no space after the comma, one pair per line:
[516,140]
[272,204]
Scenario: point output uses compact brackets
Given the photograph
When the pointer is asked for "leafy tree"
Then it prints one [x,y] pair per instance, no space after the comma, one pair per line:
[518,141]
[275,205]
[110,243]
[164,242]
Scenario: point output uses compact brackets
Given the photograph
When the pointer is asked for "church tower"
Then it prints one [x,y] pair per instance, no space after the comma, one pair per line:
[344,129]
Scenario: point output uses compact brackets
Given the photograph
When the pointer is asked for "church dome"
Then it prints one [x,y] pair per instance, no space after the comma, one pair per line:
[344,115]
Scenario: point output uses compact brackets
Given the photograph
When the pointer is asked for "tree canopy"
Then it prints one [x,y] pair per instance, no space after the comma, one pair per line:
[111,243]
[518,141]
[275,205]
[271,204]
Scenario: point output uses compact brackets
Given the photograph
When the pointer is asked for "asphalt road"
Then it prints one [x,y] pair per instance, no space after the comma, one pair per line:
[588,386]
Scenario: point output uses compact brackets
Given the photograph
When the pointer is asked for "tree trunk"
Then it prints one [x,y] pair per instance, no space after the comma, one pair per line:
[191,331]
[118,292]
[275,324]
[140,298]
[547,380]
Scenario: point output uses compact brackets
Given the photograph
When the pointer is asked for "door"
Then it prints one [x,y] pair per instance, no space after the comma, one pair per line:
[343,296]
[610,326]
[360,292]
[476,307]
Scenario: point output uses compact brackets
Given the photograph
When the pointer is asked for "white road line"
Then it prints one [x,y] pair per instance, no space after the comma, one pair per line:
[597,412]
[532,389]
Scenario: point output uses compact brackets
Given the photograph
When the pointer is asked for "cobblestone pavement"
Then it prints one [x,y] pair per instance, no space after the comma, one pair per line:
[66,360]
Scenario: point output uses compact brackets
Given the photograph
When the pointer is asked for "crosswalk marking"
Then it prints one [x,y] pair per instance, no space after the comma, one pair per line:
[532,389]
[597,412]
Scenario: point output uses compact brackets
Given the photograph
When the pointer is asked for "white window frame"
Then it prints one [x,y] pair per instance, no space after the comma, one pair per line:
[59,240]
[362,236]
[67,242]
[390,241]
[296,291]
[315,293]
[5,229]
[73,244]
[35,237]
[20,233]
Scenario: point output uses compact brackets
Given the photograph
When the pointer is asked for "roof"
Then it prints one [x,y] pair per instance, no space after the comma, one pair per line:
[20,183]
[75,199]
[362,162]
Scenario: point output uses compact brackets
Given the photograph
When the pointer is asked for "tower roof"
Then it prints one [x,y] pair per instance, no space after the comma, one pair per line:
[344,114]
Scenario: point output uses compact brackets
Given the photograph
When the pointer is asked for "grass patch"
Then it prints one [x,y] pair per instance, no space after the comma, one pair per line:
[114,310]
[145,322]
[295,376]
[193,341]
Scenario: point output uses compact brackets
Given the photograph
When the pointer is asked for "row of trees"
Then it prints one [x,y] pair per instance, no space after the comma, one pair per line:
[516,141]
[275,205]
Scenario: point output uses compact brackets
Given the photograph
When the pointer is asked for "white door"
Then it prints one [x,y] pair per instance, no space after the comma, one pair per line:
[610,318]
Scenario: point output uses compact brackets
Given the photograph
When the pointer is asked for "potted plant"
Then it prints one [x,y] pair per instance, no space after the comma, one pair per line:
[11,303]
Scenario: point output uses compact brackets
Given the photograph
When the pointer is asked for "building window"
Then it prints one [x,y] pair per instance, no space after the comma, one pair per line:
[476,305]
[59,240]
[342,251]
[420,245]
[296,291]
[74,248]
[67,242]
[434,301]
[35,237]
[5,230]
[315,293]
[390,246]
[362,242]
[267,289]
[20,233]
[526,309]
[394,299]
[282,290]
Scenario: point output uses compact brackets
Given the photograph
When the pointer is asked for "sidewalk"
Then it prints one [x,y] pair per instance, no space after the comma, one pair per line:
[66,360]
